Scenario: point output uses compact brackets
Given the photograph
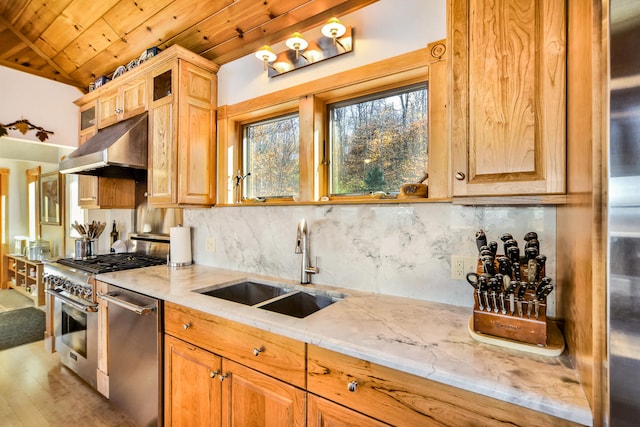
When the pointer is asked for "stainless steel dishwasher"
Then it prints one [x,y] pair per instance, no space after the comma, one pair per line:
[134,355]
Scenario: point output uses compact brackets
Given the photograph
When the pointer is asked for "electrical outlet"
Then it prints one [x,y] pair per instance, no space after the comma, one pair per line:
[461,265]
[211,245]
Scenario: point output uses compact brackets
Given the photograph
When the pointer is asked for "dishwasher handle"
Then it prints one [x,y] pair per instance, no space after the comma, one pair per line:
[141,310]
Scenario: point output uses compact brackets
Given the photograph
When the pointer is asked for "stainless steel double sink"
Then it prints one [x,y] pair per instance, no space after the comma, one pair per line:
[276,298]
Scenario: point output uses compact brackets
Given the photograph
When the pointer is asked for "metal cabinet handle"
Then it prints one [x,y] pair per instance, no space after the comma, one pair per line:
[223,377]
[352,386]
[213,374]
[460,176]
[186,326]
[257,351]
[117,111]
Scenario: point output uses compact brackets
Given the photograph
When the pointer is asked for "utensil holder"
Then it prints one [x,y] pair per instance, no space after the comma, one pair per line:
[86,249]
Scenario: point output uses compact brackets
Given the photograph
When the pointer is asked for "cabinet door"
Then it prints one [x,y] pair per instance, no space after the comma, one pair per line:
[250,398]
[108,108]
[197,135]
[508,100]
[192,388]
[87,191]
[134,97]
[163,149]
[324,413]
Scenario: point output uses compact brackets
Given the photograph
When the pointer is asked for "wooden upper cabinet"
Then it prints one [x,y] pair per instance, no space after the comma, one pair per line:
[182,134]
[123,101]
[507,120]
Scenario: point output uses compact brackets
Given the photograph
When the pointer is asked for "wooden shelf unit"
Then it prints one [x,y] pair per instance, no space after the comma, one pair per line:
[25,276]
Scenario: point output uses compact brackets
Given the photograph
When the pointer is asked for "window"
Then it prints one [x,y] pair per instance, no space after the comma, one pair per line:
[271,152]
[338,138]
[379,142]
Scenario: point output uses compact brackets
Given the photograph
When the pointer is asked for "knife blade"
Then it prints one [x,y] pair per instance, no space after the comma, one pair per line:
[484,287]
[522,289]
[493,284]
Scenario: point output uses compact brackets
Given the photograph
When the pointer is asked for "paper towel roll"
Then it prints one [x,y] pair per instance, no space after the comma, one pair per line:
[180,249]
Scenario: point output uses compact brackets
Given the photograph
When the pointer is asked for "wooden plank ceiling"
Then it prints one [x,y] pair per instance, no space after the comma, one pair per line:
[75,41]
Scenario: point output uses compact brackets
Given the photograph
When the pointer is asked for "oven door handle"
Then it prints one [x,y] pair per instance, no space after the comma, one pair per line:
[82,307]
[141,310]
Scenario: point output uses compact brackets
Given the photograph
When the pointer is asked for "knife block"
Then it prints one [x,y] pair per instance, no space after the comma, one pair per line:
[513,327]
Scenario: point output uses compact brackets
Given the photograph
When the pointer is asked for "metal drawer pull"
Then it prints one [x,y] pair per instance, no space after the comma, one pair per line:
[352,386]
[222,377]
[460,176]
[186,326]
[257,351]
[117,111]
[213,374]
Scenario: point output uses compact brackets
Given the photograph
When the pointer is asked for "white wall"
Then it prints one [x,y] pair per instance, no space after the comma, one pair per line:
[382,30]
[43,102]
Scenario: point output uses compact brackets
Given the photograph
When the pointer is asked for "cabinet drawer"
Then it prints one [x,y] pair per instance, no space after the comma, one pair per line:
[399,398]
[272,354]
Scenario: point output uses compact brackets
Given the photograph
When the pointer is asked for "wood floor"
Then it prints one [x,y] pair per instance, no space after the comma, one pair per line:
[36,390]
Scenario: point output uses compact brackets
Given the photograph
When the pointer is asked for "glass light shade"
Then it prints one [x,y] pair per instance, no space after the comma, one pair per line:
[266,54]
[296,42]
[283,63]
[313,53]
[333,28]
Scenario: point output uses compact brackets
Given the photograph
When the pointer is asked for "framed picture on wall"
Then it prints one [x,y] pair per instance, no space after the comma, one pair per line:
[50,206]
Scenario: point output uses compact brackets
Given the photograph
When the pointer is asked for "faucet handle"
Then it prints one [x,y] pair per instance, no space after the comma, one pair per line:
[313,269]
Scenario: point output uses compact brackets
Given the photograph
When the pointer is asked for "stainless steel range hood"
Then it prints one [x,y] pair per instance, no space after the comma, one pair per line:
[118,151]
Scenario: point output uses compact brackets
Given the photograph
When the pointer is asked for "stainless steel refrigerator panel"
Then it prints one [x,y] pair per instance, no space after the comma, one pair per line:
[624,216]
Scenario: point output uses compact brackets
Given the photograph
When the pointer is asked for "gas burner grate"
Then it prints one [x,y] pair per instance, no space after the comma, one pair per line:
[113,262]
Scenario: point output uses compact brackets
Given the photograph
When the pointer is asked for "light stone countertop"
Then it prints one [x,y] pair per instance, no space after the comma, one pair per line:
[423,338]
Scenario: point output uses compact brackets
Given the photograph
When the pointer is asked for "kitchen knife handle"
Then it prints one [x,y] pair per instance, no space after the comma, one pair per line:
[481,239]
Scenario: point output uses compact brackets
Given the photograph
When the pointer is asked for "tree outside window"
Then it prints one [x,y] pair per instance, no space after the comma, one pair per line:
[271,154]
[379,142]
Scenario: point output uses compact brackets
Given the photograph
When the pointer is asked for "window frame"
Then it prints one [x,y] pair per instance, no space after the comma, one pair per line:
[353,101]
[310,101]
[243,149]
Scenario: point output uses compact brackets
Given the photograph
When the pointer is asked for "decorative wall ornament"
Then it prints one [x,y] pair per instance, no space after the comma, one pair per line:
[24,126]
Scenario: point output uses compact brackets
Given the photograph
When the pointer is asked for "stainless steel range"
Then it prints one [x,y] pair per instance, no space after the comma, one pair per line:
[75,309]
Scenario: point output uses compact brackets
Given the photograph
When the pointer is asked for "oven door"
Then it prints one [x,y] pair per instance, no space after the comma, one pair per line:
[76,334]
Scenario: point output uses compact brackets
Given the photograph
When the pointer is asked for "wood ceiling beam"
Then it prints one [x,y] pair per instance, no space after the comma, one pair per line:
[43,74]
[64,76]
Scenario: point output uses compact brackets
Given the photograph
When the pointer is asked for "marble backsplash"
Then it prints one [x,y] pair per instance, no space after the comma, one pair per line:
[396,249]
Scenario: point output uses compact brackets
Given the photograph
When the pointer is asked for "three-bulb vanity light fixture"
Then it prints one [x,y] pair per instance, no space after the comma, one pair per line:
[337,40]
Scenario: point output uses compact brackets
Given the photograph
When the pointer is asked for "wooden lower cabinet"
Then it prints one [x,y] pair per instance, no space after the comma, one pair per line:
[222,373]
[399,398]
[203,388]
[250,398]
[192,387]
[324,413]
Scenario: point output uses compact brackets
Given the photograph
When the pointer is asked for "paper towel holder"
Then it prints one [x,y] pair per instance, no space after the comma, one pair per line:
[172,264]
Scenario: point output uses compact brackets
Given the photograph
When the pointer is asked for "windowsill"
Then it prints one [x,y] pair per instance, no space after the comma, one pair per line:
[350,201]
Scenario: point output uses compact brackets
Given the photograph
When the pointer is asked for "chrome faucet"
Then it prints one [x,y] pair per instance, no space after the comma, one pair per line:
[302,247]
